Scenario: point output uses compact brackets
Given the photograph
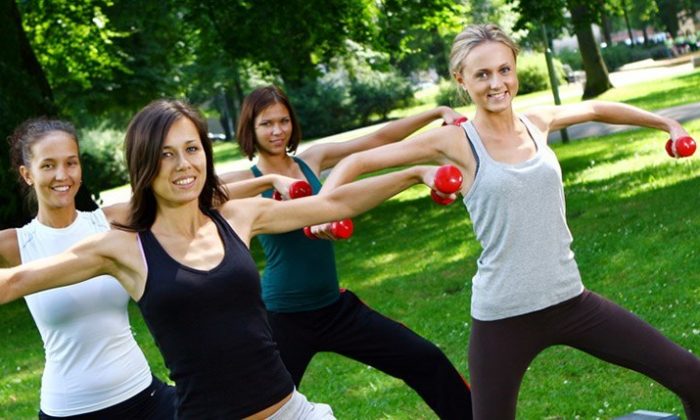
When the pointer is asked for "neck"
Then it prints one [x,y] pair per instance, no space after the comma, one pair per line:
[58,217]
[182,220]
[279,164]
[500,122]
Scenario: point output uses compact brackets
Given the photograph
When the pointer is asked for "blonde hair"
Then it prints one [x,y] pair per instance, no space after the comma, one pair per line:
[474,35]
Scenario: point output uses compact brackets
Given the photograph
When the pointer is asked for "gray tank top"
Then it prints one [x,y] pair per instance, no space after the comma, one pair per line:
[519,217]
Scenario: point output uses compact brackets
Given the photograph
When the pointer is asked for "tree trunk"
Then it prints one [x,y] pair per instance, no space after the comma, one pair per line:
[606,26]
[597,80]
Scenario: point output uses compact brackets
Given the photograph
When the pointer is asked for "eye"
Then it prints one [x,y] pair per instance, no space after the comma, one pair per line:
[47,166]
[166,154]
[505,70]
[192,149]
[481,75]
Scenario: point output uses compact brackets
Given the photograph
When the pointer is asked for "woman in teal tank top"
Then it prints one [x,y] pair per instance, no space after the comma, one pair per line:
[308,311]
[527,294]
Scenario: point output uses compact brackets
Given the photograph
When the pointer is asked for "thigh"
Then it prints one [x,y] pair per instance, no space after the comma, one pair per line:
[363,334]
[295,340]
[499,353]
[611,333]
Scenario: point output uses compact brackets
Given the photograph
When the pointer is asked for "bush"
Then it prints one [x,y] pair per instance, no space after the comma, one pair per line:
[533,74]
[616,56]
[102,160]
[323,107]
[378,93]
[449,95]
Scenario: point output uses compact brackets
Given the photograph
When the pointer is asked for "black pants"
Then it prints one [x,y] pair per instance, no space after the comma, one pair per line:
[156,402]
[350,328]
[500,351]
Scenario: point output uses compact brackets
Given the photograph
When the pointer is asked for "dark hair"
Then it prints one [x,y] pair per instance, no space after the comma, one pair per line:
[143,145]
[26,135]
[254,104]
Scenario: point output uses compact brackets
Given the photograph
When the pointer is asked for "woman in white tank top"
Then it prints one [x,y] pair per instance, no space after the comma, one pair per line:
[93,365]
[527,294]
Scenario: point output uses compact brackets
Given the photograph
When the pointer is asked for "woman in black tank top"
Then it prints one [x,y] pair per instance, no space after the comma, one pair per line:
[183,256]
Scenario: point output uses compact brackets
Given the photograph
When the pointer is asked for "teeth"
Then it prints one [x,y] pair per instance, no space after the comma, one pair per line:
[62,188]
[184,181]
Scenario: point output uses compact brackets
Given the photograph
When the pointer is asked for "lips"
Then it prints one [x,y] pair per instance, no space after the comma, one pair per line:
[61,188]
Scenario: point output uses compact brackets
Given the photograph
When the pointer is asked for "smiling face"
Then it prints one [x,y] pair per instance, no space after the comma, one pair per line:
[182,171]
[488,75]
[54,171]
[273,129]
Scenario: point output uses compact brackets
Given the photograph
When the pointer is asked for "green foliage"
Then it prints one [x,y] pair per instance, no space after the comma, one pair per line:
[533,74]
[450,95]
[378,94]
[322,107]
[102,159]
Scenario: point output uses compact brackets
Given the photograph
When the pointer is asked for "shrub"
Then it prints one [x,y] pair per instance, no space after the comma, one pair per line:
[323,107]
[533,74]
[378,93]
[102,160]
[449,95]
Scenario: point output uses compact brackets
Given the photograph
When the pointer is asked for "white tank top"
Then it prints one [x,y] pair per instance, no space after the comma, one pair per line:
[92,359]
[519,217]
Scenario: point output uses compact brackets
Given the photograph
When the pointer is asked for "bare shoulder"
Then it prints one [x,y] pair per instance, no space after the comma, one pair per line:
[541,116]
[117,213]
[9,248]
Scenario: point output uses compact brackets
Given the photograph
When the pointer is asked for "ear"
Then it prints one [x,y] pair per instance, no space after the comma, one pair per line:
[458,77]
[26,175]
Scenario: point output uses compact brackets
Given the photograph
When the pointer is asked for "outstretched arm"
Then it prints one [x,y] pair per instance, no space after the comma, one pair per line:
[256,186]
[251,217]
[113,253]
[441,145]
[325,156]
[552,118]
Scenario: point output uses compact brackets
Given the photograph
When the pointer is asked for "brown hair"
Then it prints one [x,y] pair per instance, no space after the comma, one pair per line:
[26,135]
[253,105]
[143,145]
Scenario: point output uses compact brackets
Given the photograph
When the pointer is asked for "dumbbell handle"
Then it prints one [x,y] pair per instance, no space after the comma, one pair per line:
[297,189]
[341,229]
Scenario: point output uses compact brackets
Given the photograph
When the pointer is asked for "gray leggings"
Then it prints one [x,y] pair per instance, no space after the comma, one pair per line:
[500,351]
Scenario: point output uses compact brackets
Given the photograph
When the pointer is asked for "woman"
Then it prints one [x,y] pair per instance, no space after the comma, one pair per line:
[94,368]
[183,256]
[527,294]
[307,310]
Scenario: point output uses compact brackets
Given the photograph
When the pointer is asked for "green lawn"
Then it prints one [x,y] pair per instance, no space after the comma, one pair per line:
[633,214]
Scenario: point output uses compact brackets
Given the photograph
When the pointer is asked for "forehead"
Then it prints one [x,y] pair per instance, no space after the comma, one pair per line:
[182,130]
[490,54]
[274,111]
[54,145]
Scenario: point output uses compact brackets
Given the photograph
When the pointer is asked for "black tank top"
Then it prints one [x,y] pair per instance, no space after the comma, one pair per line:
[212,330]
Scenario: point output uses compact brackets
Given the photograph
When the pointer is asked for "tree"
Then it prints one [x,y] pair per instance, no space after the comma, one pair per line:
[583,14]
[25,93]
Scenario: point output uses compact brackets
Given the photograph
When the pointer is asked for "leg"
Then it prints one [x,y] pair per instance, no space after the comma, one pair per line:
[362,334]
[295,341]
[499,353]
[615,335]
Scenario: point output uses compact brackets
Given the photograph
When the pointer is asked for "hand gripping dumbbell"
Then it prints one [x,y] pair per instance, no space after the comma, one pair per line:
[457,122]
[298,189]
[448,180]
[341,229]
[683,147]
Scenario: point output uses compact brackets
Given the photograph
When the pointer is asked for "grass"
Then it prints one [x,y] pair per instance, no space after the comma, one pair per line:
[633,214]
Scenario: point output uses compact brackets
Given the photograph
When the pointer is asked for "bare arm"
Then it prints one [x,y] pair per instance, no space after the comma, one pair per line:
[251,217]
[256,186]
[552,118]
[440,145]
[114,253]
[236,176]
[325,156]
[9,248]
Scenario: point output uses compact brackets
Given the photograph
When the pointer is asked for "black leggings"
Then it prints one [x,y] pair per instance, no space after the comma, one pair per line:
[500,351]
[350,328]
[156,402]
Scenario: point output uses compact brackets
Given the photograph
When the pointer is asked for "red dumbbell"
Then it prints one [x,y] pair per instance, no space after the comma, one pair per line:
[683,147]
[298,189]
[341,229]
[457,122]
[448,180]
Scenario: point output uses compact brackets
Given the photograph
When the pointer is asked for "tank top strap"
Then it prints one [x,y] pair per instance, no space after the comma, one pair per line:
[256,171]
[475,142]
[308,174]
[535,132]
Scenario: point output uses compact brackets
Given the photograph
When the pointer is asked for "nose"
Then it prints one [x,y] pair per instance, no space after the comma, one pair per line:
[61,172]
[276,128]
[496,81]
[182,162]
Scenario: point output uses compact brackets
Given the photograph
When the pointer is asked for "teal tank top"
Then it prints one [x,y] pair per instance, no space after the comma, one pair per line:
[300,273]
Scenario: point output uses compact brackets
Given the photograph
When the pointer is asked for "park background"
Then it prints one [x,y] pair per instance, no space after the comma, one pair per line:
[348,66]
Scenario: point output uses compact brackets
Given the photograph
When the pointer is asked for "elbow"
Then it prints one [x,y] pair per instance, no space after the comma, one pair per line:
[6,290]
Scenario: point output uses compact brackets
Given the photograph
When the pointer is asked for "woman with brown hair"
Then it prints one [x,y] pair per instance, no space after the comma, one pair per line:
[182,254]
